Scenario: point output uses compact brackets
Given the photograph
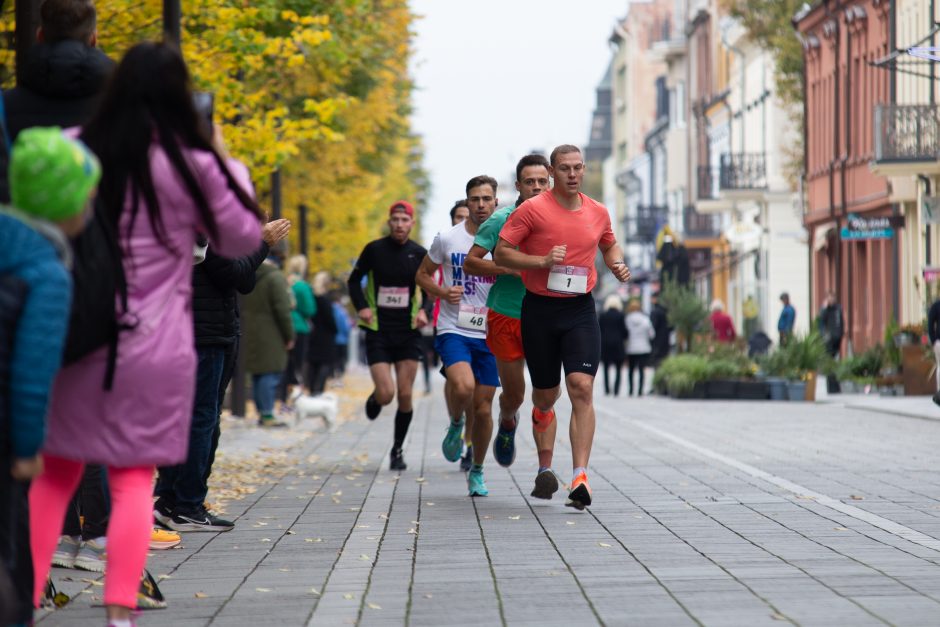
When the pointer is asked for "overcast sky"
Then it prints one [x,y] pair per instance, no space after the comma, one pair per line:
[497,79]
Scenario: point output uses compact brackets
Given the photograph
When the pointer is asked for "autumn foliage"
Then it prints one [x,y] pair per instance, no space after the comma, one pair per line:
[316,88]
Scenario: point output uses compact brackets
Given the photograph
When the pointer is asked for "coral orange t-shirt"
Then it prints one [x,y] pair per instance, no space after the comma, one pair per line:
[540,223]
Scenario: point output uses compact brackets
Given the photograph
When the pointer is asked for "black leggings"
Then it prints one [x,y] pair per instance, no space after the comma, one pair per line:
[617,366]
[635,362]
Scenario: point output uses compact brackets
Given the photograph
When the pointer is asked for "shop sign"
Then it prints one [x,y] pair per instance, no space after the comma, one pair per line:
[874,227]
[931,273]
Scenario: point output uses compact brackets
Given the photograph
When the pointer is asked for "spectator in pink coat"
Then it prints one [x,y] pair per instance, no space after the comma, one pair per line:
[164,181]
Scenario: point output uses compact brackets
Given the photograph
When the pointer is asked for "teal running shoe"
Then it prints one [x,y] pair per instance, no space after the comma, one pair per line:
[504,446]
[452,446]
[475,483]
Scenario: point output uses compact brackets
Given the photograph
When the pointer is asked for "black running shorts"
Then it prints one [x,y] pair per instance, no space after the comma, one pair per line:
[559,331]
[392,347]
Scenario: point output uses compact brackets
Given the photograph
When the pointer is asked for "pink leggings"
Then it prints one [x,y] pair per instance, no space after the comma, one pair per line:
[128,531]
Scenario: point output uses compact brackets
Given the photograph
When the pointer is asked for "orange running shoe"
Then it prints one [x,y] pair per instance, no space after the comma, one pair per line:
[163,539]
[580,495]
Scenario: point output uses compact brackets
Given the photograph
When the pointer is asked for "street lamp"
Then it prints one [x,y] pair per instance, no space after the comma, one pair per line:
[172,15]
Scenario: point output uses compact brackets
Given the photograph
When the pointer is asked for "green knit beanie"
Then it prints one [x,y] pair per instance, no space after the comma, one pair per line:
[51,175]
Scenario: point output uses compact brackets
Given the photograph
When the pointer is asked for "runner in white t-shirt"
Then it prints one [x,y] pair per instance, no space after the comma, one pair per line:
[461,331]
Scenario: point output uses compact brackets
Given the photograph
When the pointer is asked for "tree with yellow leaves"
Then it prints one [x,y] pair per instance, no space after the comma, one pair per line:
[316,88]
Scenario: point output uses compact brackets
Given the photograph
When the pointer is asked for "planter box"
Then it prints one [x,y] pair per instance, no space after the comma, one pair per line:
[917,371]
[753,390]
[796,390]
[721,389]
[698,392]
[777,389]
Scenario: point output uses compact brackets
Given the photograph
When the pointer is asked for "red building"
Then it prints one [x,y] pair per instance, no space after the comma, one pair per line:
[841,38]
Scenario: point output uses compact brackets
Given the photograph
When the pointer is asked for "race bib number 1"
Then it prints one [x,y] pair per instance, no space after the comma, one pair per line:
[472,318]
[568,279]
[393,297]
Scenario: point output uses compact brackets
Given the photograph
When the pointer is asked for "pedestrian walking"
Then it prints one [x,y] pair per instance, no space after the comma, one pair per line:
[831,325]
[558,235]
[613,325]
[469,365]
[269,336]
[639,345]
[504,331]
[786,320]
[391,310]
[164,181]
[51,181]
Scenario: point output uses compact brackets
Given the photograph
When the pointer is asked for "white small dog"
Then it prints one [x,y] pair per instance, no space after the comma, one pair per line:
[324,406]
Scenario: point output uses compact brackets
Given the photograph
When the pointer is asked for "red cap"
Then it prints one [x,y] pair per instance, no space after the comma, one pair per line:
[402,205]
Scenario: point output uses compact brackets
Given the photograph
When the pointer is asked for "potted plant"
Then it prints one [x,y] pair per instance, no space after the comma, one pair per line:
[685,311]
[682,376]
[777,369]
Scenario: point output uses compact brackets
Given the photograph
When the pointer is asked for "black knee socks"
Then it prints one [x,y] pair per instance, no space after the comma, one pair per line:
[402,422]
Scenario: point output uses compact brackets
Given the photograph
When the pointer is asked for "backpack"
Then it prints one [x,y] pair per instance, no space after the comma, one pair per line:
[99,285]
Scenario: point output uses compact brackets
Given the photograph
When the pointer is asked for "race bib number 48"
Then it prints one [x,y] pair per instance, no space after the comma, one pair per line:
[393,297]
[472,318]
[568,279]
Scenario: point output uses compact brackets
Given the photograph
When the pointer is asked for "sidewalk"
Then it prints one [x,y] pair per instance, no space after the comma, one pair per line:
[737,513]
[909,406]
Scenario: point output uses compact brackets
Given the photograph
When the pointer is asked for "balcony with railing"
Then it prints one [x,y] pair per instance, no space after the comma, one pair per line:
[742,172]
[907,139]
[644,224]
[700,225]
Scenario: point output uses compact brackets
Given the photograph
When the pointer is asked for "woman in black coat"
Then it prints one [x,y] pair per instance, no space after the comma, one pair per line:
[321,350]
[613,335]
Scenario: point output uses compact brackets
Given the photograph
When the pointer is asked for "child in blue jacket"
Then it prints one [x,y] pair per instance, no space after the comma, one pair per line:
[52,179]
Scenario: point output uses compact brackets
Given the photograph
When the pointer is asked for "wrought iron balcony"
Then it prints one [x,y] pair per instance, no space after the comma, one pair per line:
[644,225]
[907,133]
[743,171]
[699,225]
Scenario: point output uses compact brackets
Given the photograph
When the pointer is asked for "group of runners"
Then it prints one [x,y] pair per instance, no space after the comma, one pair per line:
[515,291]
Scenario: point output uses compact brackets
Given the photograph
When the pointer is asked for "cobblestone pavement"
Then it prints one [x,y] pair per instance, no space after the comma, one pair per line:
[707,513]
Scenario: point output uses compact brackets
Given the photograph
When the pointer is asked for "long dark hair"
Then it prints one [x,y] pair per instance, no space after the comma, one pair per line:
[149,99]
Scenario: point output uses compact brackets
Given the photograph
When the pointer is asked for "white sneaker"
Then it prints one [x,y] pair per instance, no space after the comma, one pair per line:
[91,556]
[66,551]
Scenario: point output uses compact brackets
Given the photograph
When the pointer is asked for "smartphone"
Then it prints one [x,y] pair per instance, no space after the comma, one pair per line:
[204,103]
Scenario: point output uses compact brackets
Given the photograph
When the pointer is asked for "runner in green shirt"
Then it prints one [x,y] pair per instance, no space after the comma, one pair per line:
[504,335]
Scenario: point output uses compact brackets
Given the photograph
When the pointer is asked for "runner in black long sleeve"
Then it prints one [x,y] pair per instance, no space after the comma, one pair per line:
[391,310]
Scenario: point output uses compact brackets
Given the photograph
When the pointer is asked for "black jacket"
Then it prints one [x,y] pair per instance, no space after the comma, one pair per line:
[215,306]
[60,86]
[613,327]
[933,322]
[661,326]
[831,323]
[322,342]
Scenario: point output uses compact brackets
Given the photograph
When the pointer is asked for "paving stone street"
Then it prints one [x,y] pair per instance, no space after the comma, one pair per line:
[705,513]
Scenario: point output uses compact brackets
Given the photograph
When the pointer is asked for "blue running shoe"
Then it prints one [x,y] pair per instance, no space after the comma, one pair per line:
[452,446]
[504,446]
[475,483]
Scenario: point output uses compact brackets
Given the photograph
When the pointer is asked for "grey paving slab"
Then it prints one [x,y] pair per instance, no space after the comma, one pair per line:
[686,528]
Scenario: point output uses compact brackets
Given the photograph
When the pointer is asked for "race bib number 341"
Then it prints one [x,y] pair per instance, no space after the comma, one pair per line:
[568,279]
[472,318]
[393,297]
